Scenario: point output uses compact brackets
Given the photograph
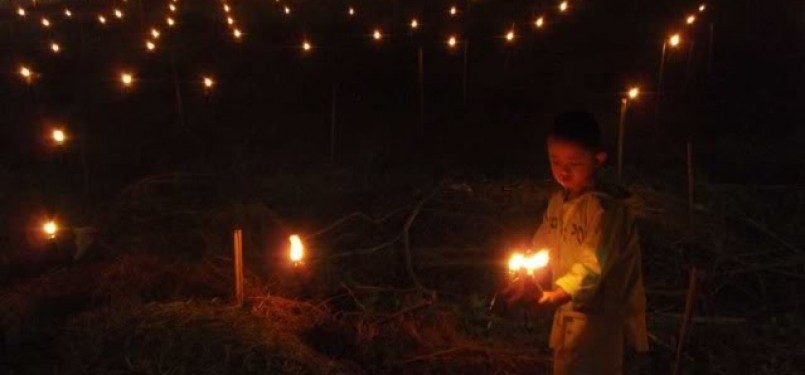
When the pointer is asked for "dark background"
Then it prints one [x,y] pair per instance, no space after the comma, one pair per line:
[733,94]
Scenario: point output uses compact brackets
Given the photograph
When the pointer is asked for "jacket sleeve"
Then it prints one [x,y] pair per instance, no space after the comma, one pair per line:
[584,274]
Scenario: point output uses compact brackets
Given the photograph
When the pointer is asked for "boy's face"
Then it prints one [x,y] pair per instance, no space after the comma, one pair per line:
[572,165]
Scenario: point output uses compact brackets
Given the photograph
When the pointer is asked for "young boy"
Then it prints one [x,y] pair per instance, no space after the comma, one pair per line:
[595,257]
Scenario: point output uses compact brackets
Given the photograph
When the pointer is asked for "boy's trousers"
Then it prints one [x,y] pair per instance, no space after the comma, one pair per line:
[586,344]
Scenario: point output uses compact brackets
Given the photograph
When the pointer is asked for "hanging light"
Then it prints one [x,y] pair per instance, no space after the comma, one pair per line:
[208,82]
[118,13]
[377,35]
[150,46]
[563,6]
[414,24]
[102,19]
[55,47]
[452,41]
[59,137]
[68,13]
[155,33]
[45,22]
[21,12]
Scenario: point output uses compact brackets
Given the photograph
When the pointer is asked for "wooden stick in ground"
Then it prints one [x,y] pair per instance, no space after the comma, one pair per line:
[238,238]
[690,305]
[690,184]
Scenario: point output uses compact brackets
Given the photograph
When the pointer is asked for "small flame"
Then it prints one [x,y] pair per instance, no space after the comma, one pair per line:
[50,228]
[297,249]
[529,263]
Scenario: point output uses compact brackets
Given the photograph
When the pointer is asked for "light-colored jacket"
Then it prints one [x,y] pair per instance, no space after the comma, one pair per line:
[595,258]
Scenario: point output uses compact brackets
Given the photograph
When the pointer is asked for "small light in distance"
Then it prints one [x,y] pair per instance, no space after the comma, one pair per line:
[50,228]
[45,22]
[674,40]
[377,35]
[452,41]
[510,36]
[127,79]
[634,92]
[150,46]
[155,33]
[102,19]
[208,82]
[690,20]
[58,136]
[118,13]
[414,24]
[237,33]
[540,22]
[68,13]
[21,12]
[55,47]
[563,6]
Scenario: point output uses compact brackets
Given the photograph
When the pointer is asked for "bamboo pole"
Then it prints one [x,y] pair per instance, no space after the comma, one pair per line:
[690,305]
[238,238]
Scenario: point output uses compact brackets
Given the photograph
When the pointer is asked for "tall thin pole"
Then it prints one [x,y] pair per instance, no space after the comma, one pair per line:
[691,182]
[421,63]
[659,87]
[466,64]
[332,124]
[621,131]
[238,264]
[690,305]
[178,92]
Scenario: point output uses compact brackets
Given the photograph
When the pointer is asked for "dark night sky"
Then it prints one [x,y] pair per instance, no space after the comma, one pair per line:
[272,105]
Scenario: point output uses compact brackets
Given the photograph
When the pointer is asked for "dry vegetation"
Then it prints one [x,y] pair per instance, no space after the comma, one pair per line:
[401,286]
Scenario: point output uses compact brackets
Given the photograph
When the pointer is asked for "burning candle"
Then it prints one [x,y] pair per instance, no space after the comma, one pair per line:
[297,250]
[58,136]
[520,262]
[26,73]
[126,79]
[208,82]
[50,228]
[510,36]
[540,22]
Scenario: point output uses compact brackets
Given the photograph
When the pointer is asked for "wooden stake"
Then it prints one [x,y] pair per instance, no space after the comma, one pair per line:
[332,125]
[466,64]
[690,305]
[238,237]
[691,183]
[621,130]
[421,61]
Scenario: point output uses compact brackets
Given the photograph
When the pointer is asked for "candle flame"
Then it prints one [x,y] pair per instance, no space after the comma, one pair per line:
[297,249]
[50,228]
[58,136]
[529,263]
[540,22]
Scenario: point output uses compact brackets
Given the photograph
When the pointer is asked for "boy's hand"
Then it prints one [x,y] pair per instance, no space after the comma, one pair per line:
[554,297]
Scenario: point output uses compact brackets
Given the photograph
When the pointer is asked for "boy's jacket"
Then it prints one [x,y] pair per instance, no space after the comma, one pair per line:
[595,257]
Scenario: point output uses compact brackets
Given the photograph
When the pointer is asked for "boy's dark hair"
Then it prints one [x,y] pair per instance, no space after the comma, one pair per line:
[580,127]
